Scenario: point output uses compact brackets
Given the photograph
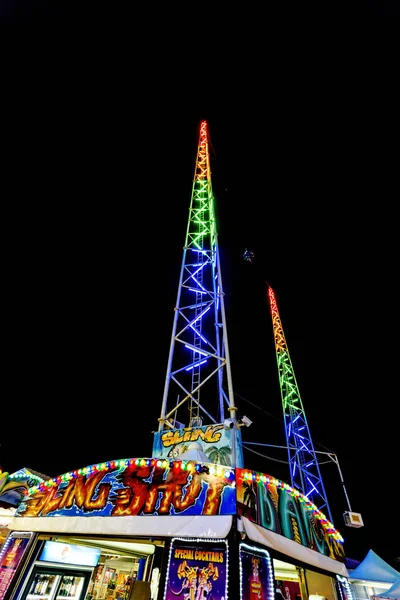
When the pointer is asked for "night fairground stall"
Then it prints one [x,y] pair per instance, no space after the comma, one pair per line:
[166,528]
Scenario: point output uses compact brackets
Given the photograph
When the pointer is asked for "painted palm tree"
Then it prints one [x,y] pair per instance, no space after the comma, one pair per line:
[249,497]
[220,455]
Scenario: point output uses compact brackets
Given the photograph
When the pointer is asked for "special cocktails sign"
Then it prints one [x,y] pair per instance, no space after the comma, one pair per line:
[197,569]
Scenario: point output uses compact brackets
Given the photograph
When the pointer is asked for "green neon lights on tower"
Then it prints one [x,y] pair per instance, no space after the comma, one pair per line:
[198,369]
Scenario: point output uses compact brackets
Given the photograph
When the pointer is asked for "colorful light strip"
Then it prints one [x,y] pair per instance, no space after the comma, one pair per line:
[211,468]
[185,465]
[24,475]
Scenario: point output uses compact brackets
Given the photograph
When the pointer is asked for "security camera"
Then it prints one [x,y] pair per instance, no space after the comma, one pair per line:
[229,424]
[246,421]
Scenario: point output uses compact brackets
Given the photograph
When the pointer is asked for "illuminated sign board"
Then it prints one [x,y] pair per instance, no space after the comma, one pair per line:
[11,555]
[215,442]
[256,573]
[275,506]
[136,487]
[70,554]
[197,568]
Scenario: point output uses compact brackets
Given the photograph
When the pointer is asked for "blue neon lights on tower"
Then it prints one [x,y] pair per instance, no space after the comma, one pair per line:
[198,385]
[304,468]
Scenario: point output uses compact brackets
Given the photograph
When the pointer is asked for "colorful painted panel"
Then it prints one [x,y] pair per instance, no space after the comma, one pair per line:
[277,507]
[15,486]
[11,555]
[256,574]
[213,441]
[197,569]
[135,487]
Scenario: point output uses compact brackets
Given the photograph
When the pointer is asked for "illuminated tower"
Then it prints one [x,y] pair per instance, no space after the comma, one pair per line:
[198,385]
[304,468]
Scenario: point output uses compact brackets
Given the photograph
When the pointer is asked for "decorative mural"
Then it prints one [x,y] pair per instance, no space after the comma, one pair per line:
[215,441]
[276,506]
[256,574]
[11,554]
[197,569]
[135,487]
[14,487]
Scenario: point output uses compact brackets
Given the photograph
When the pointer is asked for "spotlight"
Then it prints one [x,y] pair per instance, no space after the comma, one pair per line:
[244,421]
[229,423]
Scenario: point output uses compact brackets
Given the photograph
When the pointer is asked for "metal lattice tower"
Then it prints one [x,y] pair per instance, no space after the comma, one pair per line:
[198,368]
[304,468]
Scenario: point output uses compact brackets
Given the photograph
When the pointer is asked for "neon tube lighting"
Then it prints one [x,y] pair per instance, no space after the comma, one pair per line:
[197,364]
[196,350]
[313,488]
[201,315]
[199,334]
[198,283]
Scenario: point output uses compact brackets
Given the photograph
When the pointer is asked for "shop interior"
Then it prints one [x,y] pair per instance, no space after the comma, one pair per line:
[295,583]
[129,569]
[126,570]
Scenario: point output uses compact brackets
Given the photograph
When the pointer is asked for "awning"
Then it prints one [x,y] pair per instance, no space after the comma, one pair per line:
[374,568]
[152,525]
[293,549]
[391,594]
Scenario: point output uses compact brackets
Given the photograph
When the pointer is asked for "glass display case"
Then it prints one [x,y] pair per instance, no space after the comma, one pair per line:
[57,585]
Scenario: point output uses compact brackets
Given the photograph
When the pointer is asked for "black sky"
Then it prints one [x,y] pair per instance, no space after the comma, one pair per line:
[99,178]
[45,12]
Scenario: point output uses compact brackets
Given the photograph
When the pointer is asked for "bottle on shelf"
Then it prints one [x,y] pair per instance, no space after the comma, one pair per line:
[74,587]
[45,585]
[35,585]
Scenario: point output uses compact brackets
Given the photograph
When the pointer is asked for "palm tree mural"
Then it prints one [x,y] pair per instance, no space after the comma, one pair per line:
[249,497]
[220,455]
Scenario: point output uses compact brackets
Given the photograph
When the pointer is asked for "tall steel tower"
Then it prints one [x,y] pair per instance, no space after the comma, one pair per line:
[198,370]
[304,468]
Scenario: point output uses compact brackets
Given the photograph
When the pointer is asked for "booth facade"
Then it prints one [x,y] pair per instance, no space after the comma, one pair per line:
[166,528]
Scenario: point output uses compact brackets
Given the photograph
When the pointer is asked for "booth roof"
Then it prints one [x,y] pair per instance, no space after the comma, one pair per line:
[26,471]
[392,593]
[374,568]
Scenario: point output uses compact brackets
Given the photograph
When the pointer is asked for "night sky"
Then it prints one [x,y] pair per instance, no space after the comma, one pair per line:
[45,12]
[99,185]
